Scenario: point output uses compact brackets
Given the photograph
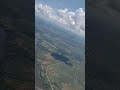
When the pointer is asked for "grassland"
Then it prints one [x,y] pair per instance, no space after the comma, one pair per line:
[54,73]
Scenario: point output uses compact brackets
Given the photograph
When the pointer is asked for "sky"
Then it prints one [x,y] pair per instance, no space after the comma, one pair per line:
[61,4]
[68,13]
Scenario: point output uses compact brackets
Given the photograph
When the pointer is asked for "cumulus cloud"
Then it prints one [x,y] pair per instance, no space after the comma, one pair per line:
[74,20]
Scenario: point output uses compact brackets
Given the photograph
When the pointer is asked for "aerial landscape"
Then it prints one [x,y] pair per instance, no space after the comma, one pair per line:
[59,45]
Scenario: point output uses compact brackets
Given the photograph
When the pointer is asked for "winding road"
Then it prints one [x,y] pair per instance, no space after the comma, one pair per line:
[48,76]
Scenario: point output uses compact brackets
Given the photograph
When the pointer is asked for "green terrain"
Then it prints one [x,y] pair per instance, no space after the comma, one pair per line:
[60,58]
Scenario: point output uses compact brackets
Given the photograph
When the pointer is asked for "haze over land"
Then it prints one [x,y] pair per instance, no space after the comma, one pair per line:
[72,19]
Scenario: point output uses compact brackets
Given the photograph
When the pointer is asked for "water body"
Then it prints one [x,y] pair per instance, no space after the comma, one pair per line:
[61,58]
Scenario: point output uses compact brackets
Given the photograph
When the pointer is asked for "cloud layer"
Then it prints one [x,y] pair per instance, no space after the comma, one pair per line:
[74,20]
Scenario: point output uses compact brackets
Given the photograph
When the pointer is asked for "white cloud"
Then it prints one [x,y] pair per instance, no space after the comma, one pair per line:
[74,20]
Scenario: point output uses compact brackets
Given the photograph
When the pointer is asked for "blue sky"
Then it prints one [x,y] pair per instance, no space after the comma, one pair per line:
[62,4]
